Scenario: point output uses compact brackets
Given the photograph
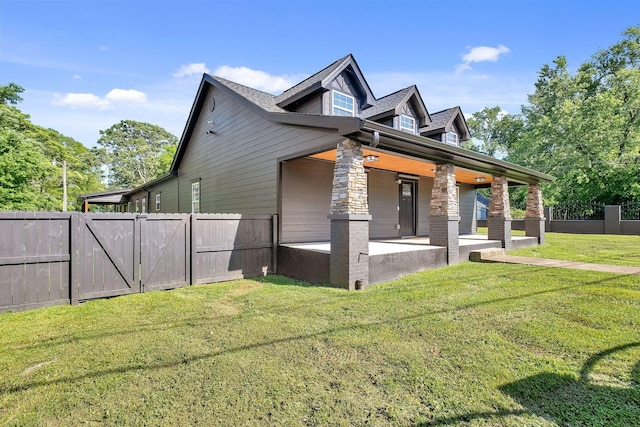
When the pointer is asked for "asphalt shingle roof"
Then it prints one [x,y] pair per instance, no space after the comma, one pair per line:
[264,100]
[442,118]
[310,81]
[387,103]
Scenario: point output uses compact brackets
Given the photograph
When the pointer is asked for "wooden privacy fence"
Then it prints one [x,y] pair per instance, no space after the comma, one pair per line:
[60,258]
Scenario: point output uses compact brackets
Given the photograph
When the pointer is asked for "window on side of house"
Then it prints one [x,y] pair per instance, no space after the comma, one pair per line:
[144,205]
[343,105]
[157,202]
[451,138]
[195,197]
[137,205]
[128,206]
[407,124]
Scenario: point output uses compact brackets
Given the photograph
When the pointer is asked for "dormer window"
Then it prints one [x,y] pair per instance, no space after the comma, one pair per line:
[451,138]
[407,124]
[343,105]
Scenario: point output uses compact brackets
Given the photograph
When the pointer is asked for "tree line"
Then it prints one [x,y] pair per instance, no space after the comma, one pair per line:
[128,154]
[583,127]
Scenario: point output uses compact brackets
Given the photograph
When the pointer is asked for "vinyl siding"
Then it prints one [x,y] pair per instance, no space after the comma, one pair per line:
[425,186]
[237,165]
[306,200]
[312,106]
[467,209]
[383,204]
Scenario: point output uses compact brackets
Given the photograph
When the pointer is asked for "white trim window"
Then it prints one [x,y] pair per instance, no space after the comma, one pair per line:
[195,197]
[129,206]
[158,202]
[451,138]
[342,104]
[137,205]
[144,205]
[407,124]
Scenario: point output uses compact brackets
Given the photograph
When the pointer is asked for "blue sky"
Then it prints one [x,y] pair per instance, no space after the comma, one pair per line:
[88,64]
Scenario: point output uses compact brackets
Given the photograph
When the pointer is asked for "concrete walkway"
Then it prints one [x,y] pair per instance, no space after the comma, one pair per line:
[497,255]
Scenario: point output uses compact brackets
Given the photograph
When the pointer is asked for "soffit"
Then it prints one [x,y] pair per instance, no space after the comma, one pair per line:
[397,163]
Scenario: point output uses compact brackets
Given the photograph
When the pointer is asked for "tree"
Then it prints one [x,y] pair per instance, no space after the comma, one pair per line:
[31,162]
[10,94]
[583,127]
[133,152]
[482,126]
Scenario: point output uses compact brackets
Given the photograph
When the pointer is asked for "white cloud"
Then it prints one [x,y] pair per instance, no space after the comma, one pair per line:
[187,70]
[130,95]
[481,54]
[85,100]
[76,77]
[257,79]
[89,100]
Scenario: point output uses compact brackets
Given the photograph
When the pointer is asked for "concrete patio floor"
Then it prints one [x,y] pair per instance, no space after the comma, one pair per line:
[388,258]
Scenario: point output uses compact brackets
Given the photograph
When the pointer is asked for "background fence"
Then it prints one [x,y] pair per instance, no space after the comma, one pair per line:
[57,258]
[588,219]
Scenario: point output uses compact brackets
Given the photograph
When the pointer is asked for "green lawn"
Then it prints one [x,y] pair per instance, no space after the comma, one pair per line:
[473,344]
[594,248]
[591,248]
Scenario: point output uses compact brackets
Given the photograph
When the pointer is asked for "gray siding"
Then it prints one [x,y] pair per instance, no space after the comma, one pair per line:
[383,204]
[312,106]
[168,191]
[425,186]
[237,165]
[343,84]
[467,209]
[306,200]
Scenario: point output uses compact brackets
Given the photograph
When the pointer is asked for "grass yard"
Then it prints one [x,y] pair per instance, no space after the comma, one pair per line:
[593,248]
[473,344]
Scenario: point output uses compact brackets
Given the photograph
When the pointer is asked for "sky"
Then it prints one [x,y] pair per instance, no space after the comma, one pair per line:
[88,64]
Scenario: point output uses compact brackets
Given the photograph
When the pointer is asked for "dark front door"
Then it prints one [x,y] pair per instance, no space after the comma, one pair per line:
[407,208]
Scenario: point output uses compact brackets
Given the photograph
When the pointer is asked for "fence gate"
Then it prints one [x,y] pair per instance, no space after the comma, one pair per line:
[106,255]
[165,251]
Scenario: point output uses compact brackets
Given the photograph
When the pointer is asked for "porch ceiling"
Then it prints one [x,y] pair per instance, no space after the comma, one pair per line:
[403,164]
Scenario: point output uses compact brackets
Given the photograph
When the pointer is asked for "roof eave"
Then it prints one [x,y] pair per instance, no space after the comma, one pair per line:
[430,149]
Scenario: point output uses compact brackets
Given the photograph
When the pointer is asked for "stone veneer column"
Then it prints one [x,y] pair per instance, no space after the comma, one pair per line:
[534,221]
[349,262]
[499,215]
[444,216]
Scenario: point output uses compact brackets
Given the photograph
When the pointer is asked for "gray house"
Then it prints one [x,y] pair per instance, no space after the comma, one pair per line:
[344,171]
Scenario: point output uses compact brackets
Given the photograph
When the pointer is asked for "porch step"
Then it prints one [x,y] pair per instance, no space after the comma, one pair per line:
[485,255]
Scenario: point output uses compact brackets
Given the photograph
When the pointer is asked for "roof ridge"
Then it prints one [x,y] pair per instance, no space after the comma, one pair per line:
[223,80]
[282,96]
[396,92]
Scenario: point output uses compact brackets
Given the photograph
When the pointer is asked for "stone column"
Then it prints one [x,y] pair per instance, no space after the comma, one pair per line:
[349,262]
[499,215]
[444,213]
[534,221]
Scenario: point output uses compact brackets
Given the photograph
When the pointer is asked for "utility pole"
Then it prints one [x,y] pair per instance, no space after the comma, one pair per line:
[64,186]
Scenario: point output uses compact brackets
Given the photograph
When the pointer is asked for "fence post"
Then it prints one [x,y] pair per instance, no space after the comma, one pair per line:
[612,217]
[192,259]
[274,244]
[76,252]
[548,214]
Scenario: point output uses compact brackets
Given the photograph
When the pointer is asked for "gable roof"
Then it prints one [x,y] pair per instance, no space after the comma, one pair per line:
[442,121]
[392,104]
[364,130]
[322,79]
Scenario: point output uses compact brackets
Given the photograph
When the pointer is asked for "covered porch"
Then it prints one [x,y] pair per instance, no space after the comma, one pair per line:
[388,259]
[396,204]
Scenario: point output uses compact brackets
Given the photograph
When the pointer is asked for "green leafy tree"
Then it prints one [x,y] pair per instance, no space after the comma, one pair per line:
[10,94]
[582,127]
[483,125]
[135,152]
[31,162]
